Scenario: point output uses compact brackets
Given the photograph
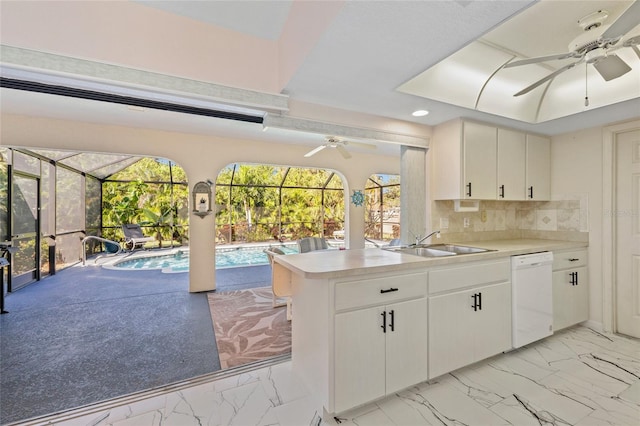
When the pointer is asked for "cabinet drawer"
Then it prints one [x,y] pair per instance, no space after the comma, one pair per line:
[469,275]
[378,291]
[569,259]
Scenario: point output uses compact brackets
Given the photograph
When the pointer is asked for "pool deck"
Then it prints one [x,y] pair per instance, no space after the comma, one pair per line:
[87,334]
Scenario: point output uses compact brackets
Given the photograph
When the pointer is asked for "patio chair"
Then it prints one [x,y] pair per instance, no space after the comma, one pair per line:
[280,283]
[133,236]
[308,244]
[395,242]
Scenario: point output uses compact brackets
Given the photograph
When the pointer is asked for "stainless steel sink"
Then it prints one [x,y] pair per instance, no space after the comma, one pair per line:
[425,252]
[458,249]
[437,250]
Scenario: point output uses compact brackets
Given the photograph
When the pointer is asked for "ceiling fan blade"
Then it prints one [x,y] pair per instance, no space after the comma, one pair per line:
[611,67]
[361,144]
[315,151]
[635,49]
[542,59]
[342,150]
[545,79]
[625,22]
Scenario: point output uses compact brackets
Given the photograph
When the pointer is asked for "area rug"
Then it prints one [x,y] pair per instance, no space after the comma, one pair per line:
[247,327]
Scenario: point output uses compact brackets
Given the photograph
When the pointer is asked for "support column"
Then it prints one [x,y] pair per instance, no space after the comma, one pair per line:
[413,197]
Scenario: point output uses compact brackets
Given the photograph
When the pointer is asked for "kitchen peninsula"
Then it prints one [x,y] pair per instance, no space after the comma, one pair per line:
[370,322]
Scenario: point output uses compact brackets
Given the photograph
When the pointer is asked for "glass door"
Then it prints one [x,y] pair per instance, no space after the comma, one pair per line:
[24,229]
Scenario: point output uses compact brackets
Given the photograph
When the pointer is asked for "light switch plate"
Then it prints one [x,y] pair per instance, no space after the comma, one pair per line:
[466,222]
[444,222]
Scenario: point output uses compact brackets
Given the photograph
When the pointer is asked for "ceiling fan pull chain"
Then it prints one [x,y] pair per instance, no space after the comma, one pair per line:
[586,86]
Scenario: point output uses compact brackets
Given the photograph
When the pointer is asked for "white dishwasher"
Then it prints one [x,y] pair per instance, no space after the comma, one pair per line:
[531,294]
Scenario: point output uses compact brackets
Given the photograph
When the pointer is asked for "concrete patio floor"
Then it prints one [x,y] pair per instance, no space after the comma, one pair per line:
[88,334]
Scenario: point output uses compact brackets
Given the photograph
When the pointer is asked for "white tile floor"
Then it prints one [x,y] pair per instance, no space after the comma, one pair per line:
[576,377]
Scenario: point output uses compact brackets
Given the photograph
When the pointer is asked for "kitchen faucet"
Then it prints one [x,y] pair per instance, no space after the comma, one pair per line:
[420,239]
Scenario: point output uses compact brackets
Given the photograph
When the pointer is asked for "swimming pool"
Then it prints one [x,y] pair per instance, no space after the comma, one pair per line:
[178,261]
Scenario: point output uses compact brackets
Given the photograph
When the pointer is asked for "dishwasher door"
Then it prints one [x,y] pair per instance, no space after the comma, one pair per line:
[531,294]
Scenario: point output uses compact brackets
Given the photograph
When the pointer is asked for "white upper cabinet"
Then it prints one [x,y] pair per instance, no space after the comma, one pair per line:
[476,161]
[511,161]
[538,168]
[479,144]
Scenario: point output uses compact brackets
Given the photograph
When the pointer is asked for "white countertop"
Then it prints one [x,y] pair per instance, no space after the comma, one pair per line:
[325,264]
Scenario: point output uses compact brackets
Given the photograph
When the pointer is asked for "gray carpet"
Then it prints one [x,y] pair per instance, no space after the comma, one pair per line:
[89,334]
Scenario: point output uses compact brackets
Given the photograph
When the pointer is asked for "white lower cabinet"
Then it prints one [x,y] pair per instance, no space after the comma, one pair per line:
[570,288]
[378,351]
[470,324]
[380,338]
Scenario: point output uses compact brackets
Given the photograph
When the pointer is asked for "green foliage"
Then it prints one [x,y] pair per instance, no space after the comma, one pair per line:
[269,202]
[382,207]
[147,197]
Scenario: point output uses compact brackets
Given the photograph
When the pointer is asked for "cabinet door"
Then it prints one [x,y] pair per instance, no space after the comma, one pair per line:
[479,169]
[451,339]
[492,321]
[511,165]
[581,296]
[538,169]
[359,373]
[407,344]
[570,300]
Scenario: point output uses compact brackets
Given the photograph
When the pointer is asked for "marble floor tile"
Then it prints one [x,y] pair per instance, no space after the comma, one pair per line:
[300,412]
[598,399]
[403,410]
[575,377]
[631,394]
[152,418]
[451,406]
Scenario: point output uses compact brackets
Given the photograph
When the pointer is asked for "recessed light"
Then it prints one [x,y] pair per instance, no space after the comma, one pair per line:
[420,113]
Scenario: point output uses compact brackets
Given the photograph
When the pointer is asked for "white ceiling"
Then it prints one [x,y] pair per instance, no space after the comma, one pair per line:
[483,84]
[368,50]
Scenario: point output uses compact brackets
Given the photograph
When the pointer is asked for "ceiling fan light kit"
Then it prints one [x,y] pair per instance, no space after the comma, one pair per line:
[339,145]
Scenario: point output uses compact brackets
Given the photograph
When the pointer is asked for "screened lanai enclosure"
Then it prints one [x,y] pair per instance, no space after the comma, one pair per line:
[51,200]
[262,203]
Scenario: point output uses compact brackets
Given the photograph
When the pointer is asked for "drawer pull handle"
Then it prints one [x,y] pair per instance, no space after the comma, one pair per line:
[384,322]
[573,259]
[391,324]
[388,290]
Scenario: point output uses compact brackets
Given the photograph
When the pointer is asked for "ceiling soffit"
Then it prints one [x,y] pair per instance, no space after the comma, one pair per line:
[474,77]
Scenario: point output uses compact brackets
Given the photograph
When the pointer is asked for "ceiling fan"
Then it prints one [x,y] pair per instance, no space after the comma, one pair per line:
[340,145]
[595,46]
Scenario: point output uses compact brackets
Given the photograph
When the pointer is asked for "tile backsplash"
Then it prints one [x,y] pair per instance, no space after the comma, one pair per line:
[565,217]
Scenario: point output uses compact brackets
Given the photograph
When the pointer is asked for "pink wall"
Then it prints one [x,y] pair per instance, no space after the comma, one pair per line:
[306,22]
[133,35]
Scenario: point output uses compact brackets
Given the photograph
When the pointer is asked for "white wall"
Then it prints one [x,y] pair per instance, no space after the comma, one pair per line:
[576,168]
[202,157]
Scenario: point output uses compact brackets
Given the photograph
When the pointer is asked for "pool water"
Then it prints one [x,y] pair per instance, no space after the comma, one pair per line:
[225,258]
